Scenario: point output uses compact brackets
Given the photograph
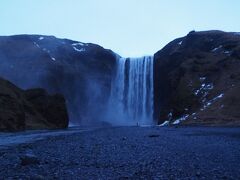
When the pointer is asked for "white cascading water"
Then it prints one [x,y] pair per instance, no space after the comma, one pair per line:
[132,91]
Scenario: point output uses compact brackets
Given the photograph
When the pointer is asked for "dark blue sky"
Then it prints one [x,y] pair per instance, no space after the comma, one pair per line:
[129,27]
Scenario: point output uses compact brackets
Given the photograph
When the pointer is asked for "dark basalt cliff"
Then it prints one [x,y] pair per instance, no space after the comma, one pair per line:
[197,79]
[30,109]
[82,72]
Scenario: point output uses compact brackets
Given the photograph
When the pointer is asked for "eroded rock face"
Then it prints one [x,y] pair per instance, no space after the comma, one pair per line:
[51,107]
[12,116]
[31,109]
[197,79]
[82,72]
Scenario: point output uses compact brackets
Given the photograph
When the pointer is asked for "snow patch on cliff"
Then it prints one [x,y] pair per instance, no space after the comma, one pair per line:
[204,89]
[217,48]
[78,44]
[36,44]
[166,123]
[79,50]
[179,120]
[210,102]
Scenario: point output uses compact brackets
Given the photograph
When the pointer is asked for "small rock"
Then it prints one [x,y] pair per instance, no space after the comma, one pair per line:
[29,159]
[38,177]
[198,173]
[153,135]
[2,153]
[172,176]
[225,177]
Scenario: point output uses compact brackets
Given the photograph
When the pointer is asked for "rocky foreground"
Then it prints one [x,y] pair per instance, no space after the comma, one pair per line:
[127,153]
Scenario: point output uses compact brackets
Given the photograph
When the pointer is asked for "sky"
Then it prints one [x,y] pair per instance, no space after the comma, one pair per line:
[131,28]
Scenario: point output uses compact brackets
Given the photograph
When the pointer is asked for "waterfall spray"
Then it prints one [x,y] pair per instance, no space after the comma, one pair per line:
[132,91]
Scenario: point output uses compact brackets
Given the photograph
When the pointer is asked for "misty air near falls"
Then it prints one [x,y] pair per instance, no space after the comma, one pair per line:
[119,89]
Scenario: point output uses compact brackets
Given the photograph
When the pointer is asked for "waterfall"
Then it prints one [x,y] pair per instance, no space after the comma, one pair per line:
[131,100]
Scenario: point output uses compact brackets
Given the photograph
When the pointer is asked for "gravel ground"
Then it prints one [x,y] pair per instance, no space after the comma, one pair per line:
[127,153]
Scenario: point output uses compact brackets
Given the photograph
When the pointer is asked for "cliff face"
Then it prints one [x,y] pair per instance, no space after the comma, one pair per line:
[82,72]
[30,109]
[197,79]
